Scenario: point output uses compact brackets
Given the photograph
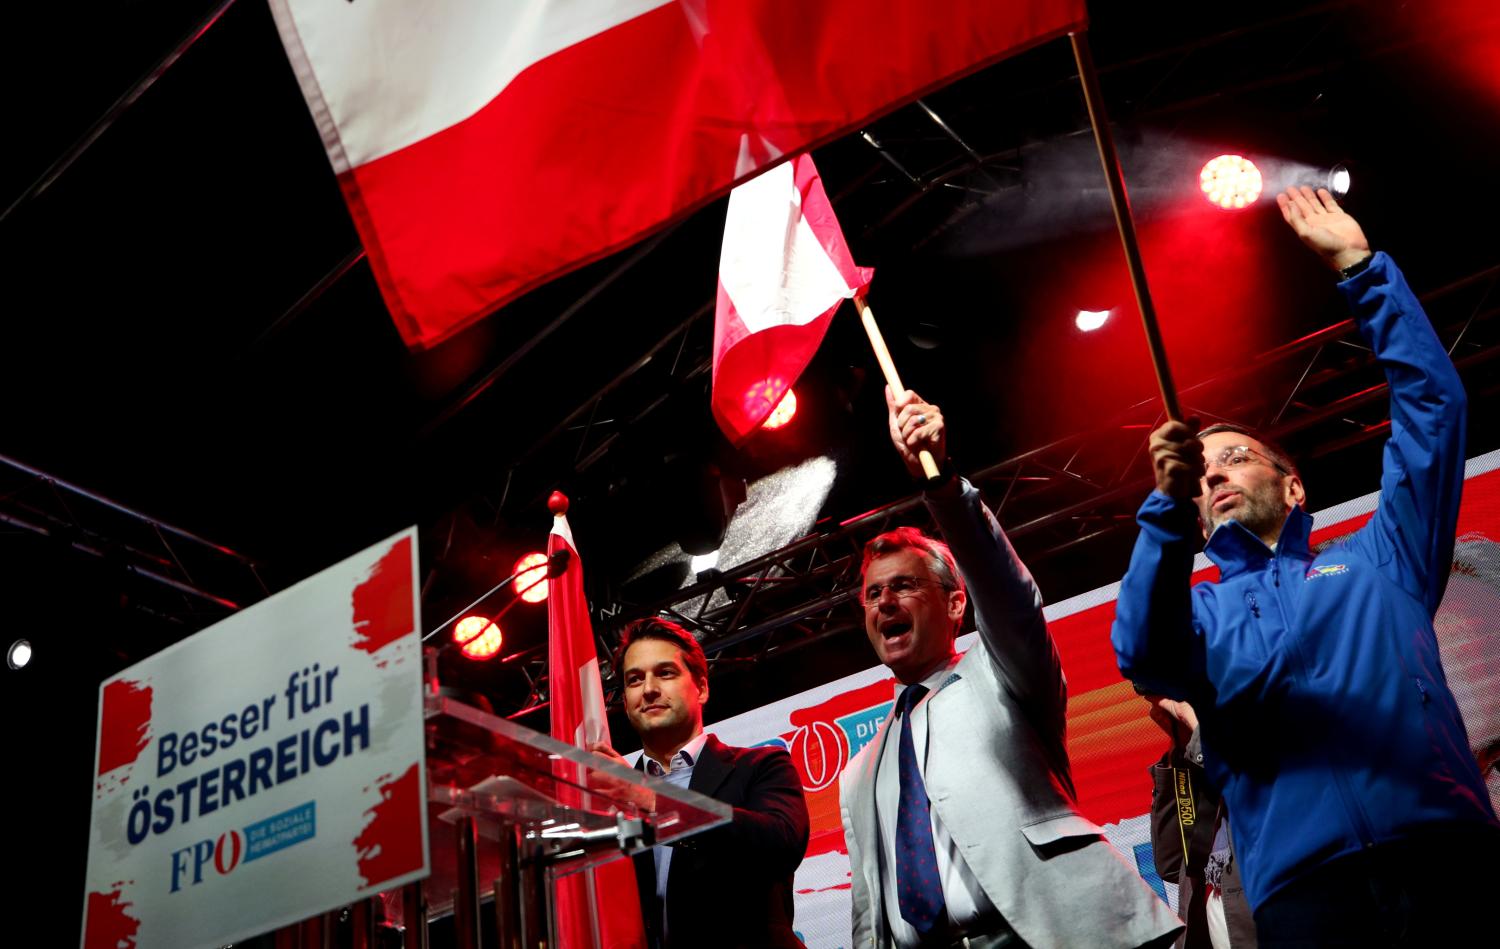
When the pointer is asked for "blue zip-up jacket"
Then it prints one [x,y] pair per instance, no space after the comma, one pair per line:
[1325,715]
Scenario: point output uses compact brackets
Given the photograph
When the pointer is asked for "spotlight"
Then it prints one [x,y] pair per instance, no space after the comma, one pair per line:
[1339,180]
[530,583]
[764,395]
[783,412]
[1090,320]
[1231,182]
[19,654]
[477,636]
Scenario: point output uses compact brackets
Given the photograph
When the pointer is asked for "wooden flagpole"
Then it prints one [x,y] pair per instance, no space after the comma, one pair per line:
[888,367]
[1094,99]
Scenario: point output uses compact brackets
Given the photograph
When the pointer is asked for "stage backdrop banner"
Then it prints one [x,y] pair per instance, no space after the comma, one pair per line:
[266,769]
[1111,742]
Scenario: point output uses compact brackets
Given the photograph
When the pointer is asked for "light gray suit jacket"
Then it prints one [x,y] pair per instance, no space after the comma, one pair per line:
[997,771]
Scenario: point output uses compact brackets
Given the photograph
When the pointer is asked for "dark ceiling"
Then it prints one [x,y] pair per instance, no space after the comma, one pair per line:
[193,332]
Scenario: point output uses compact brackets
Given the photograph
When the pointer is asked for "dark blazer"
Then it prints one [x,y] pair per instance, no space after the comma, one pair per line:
[732,886]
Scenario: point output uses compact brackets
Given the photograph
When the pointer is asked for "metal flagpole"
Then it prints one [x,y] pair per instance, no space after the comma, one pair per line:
[1094,99]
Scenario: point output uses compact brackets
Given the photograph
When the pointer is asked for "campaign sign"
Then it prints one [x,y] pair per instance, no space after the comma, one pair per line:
[267,769]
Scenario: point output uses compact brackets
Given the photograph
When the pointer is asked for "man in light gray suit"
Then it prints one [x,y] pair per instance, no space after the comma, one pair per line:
[959,816]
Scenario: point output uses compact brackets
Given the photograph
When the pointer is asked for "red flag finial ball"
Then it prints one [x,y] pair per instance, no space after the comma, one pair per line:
[557,503]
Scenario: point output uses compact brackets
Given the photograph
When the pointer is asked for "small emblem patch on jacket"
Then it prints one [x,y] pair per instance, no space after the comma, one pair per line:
[1327,570]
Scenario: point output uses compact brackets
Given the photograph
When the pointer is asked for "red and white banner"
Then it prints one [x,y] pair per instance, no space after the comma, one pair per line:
[266,769]
[487,146]
[578,717]
[783,271]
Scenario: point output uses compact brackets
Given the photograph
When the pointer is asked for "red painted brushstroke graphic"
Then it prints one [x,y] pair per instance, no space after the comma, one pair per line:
[826,889]
[106,924]
[846,703]
[820,749]
[123,722]
[382,603]
[1480,510]
[1341,529]
[391,843]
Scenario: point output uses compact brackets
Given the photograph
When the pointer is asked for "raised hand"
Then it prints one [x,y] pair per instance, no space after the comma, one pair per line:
[1324,226]
[1177,719]
[1177,459]
[643,798]
[916,426]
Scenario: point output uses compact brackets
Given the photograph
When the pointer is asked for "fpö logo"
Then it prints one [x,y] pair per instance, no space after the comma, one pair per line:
[825,736]
[233,847]
[189,863]
[1327,570]
[820,751]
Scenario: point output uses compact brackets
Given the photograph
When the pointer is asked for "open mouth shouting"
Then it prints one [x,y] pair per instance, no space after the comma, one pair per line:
[896,634]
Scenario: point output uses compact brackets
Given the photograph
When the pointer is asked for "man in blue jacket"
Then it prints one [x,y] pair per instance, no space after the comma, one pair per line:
[1358,813]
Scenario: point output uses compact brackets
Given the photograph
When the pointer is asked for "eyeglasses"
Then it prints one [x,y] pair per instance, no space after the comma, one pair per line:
[902,587]
[1235,455]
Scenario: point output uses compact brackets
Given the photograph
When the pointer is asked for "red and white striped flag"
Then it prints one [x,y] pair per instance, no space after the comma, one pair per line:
[487,146]
[578,717]
[783,271]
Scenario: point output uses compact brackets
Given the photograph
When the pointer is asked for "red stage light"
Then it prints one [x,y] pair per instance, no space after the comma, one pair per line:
[764,394]
[783,412]
[477,636]
[1231,182]
[532,569]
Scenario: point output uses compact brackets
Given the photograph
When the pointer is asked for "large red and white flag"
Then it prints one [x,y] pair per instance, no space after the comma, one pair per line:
[783,271]
[487,146]
[603,900]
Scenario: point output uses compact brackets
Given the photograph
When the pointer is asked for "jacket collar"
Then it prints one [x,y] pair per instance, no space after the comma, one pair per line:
[712,767]
[1235,550]
[686,757]
[941,676]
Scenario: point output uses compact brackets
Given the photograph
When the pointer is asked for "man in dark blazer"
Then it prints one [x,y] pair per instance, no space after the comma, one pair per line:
[730,886]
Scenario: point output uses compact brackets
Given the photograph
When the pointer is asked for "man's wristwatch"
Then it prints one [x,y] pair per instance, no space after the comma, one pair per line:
[1356,268]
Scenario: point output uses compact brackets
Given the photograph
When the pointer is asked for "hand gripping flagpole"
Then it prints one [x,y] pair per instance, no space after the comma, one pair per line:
[1094,99]
[888,366]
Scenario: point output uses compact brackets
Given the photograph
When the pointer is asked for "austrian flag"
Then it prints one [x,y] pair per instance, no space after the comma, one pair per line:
[578,717]
[485,147]
[783,271]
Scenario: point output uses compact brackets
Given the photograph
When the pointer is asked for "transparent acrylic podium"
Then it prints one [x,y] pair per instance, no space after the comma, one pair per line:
[511,810]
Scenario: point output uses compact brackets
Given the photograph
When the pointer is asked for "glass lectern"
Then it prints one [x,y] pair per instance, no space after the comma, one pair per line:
[511,811]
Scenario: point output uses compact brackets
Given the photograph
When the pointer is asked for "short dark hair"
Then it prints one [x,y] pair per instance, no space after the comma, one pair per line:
[654,627]
[939,557]
[1273,449]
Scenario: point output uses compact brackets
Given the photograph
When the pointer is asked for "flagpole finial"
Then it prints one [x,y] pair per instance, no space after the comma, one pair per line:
[557,503]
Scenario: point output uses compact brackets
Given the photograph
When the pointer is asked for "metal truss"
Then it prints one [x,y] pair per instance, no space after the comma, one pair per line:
[679,359]
[168,573]
[1077,490]
[1082,487]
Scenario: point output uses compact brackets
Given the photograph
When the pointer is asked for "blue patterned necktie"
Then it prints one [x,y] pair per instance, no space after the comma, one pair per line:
[918,886]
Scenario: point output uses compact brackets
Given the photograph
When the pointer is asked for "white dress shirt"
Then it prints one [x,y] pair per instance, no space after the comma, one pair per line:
[679,774]
[967,903]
